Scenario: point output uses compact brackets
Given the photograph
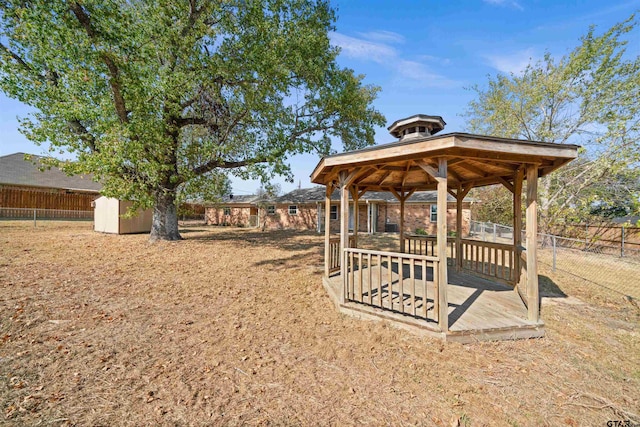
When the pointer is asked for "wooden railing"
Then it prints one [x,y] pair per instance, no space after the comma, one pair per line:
[426,245]
[493,260]
[334,253]
[392,281]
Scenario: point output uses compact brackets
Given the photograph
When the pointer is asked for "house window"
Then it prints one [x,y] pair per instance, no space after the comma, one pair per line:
[271,210]
[434,213]
[293,209]
[226,211]
[333,212]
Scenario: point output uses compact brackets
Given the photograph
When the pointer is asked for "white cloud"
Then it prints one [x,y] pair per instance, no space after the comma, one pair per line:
[505,3]
[418,73]
[383,36]
[363,49]
[514,62]
[406,71]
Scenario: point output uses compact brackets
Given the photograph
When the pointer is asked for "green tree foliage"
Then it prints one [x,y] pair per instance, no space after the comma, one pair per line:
[496,204]
[158,97]
[588,97]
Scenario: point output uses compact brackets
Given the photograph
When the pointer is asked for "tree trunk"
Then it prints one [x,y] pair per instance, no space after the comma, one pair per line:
[165,217]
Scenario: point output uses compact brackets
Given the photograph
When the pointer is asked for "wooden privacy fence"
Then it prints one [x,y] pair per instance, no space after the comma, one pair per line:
[492,260]
[392,281]
[32,198]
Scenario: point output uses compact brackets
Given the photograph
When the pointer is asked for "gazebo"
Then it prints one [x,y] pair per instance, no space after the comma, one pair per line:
[448,285]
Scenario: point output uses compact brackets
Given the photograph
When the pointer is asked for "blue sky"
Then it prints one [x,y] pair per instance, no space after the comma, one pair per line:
[423,54]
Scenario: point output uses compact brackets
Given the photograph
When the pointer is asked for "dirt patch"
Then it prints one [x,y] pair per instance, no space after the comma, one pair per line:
[232,327]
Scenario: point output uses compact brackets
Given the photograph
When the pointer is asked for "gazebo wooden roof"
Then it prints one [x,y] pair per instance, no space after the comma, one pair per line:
[472,160]
[397,284]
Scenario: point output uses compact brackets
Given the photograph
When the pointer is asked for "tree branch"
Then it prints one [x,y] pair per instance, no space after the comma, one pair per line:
[186,121]
[194,15]
[223,164]
[80,130]
[16,57]
[114,72]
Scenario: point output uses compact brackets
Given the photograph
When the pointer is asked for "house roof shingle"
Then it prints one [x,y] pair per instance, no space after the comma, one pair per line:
[316,194]
[15,170]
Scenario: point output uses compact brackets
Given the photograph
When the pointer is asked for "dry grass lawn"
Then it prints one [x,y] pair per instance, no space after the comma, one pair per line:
[233,327]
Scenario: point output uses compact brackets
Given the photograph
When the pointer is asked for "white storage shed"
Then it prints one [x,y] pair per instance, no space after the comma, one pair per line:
[108,217]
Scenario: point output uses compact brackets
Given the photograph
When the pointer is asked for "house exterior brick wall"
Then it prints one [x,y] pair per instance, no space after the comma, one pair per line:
[239,216]
[304,219]
[417,215]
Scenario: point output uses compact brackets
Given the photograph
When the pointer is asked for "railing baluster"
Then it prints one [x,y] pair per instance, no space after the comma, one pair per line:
[401,283]
[379,281]
[424,288]
[351,272]
[360,284]
[490,260]
[390,285]
[369,286]
[345,279]
[413,285]
[475,257]
[436,292]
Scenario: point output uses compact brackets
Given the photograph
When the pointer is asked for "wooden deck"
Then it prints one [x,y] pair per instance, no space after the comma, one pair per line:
[478,309]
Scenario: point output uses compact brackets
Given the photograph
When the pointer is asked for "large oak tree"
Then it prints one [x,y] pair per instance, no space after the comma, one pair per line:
[155,97]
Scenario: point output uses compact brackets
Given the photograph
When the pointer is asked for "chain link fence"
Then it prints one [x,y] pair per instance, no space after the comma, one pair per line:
[605,262]
[44,214]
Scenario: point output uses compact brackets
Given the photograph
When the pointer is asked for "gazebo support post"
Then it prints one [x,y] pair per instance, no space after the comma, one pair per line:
[356,214]
[402,246]
[458,258]
[344,231]
[443,307]
[517,224]
[327,227]
[533,306]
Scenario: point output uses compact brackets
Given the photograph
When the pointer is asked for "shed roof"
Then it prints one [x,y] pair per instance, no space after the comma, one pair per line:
[15,170]
[475,160]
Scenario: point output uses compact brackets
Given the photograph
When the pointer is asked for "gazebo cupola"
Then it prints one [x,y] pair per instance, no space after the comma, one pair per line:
[417,126]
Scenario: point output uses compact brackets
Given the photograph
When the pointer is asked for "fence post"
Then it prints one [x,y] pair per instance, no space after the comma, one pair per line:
[494,232]
[586,236]
[622,242]
[554,252]
[34,218]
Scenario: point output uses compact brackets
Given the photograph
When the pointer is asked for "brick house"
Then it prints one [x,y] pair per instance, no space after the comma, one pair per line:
[301,208]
